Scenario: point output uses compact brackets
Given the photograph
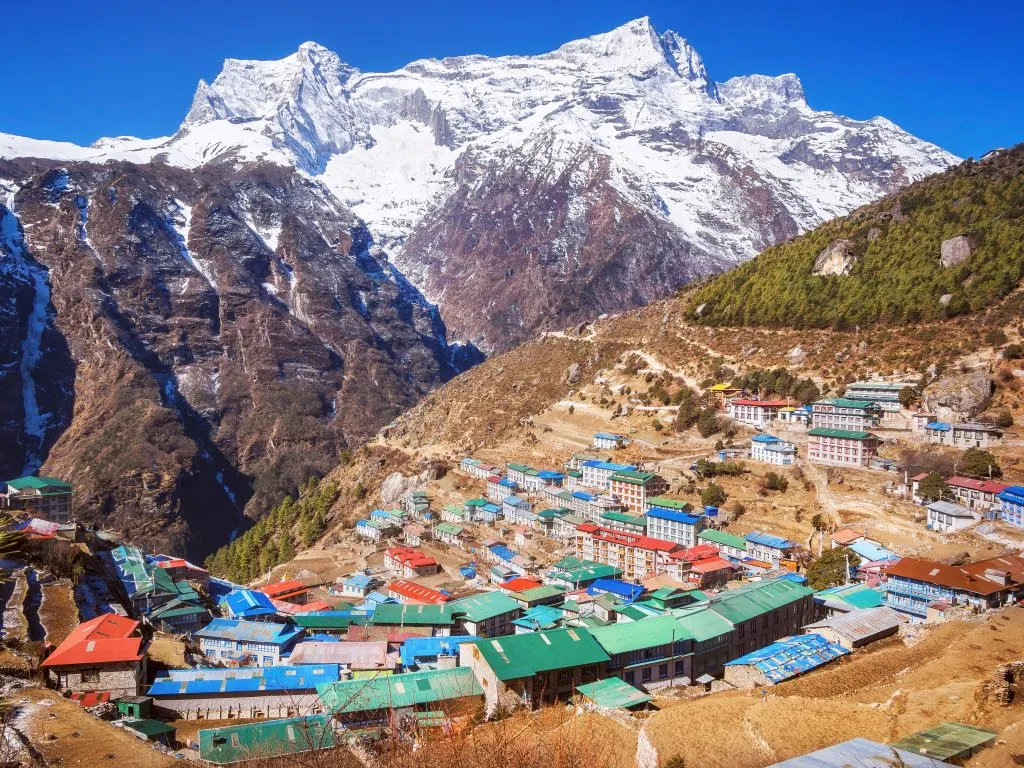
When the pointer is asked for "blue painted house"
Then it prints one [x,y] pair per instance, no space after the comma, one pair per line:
[237,641]
[1011,505]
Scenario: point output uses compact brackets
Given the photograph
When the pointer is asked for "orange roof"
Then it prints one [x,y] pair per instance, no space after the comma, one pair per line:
[520,584]
[280,589]
[711,565]
[417,593]
[696,554]
[106,639]
[966,578]
[846,536]
[410,557]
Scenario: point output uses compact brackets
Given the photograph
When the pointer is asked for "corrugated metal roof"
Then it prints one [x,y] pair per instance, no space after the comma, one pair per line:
[357,656]
[614,693]
[266,739]
[946,741]
[250,631]
[636,635]
[484,606]
[791,656]
[860,753]
[862,624]
[397,691]
[415,648]
[210,680]
[516,656]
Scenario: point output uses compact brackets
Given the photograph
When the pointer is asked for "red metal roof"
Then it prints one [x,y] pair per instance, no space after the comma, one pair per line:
[967,578]
[281,589]
[410,557]
[417,592]
[711,565]
[985,486]
[106,639]
[627,539]
[698,553]
[920,477]
[90,698]
[519,584]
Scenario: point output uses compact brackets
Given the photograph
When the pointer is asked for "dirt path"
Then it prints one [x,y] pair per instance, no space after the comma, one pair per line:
[58,612]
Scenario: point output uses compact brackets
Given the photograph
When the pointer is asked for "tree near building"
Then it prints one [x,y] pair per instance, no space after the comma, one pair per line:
[713,496]
[979,463]
[829,570]
[933,488]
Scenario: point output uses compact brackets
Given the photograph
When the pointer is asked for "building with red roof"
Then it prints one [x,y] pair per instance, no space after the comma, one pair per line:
[913,584]
[981,495]
[711,572]
[102,654]
[182,570]
[418,594]
[410,562]
[638,556]
[519,584]
[291,591]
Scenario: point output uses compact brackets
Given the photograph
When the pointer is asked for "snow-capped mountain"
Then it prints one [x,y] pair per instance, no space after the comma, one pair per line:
[629,119]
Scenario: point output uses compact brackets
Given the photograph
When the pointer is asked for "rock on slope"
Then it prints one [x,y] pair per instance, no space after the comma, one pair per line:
[221,333]
[523,192]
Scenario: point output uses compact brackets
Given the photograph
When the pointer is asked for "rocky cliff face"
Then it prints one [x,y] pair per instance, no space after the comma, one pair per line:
[221,333]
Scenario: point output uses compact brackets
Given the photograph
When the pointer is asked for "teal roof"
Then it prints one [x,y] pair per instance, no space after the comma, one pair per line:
[266,739]
[39,482]
[845,402]
[485,606]
[701,622]
[636,635]
[413,615]
[398,691]
[722,537]
[613,693]
[845,434]
[517,656]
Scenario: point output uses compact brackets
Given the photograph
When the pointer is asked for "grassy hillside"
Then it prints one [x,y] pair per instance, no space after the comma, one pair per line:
[897,276]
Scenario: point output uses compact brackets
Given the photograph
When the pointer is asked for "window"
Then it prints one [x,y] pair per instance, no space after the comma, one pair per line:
[662,671]
[680,667]
[90,675]
[645,675]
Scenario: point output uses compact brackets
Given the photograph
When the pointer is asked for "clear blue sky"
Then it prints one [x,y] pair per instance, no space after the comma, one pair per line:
[950,72]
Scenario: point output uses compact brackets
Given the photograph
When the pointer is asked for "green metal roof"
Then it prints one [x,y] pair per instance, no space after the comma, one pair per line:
[450,528]
[845,402]
[542,592]
[398,691]
[613,693]
[517,656]
[485,606]
[585,573]
[701,622]
[666,503]
[645,633]
[752,600]
[413,615]
[632,476]
[946,741]
[622,517]
[476,502]
[265,739]
[38,482]
[524,468]
[846,434]
[723,538]
[307,621]
[149,728]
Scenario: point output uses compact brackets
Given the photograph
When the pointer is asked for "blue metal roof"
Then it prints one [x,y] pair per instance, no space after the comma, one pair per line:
[616,587]
[208,680]
[514,501]
[870,552]
[547,474]
[765,439]
[492,508]
[661,513]
[1013,494]
[358,581]
[938,426]
[507,483]
[791,656]
[583,495]
[608,465]
[540,617]
[242,603]
[503,552]
[767,540]
[421,647]
[250,631]
[221,587]
[608,436]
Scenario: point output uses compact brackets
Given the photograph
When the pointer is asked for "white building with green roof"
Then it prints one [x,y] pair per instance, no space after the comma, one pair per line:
[47,498]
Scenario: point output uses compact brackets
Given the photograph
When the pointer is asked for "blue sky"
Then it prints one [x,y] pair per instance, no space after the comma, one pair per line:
[949,72]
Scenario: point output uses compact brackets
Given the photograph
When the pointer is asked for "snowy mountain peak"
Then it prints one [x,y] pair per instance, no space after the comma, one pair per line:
[763,92]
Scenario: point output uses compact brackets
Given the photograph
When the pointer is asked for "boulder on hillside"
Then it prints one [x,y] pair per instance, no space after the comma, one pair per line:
[873,234]
[955,251]
[837,259]
[958,396]
[396,485]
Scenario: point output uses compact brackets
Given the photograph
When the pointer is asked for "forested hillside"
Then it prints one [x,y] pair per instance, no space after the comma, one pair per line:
[945,246]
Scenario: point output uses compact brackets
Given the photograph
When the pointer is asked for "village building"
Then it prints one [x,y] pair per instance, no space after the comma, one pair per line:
[598,474]
[606,441]
[437,618]
[947,517]
[254,693]
[952,743]
[769,549]
[755,413]
[563,527]
[730,546]
[507,559]
[1011,505]
[335,623]
[500,487]
[450,534]
[650,653]
[374,529]
[862,753]
[975,435]
[855,629]
[355,660]
[380,701]
[180,569]
[781,661]
[723,393]
[478,469]
[938,433]
[845,414]
[526,477]
[290,591]
[359,585]
[414,534]
[710,572]
[886,394]
[47,498]
[489,614]
[269,740]
[674,525]
[534,668]
[410,563]
[981,495]
[248,604]
[575,573]
[458,515]
[406,591]
[841,447]
[102,654]
[638,556]
[913,584]
[634,488]
[772,450]
[423,653]
[416,503]
[919,420]
[517,511]
[236,641]
[796,416]
[845,537]
[621,521]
